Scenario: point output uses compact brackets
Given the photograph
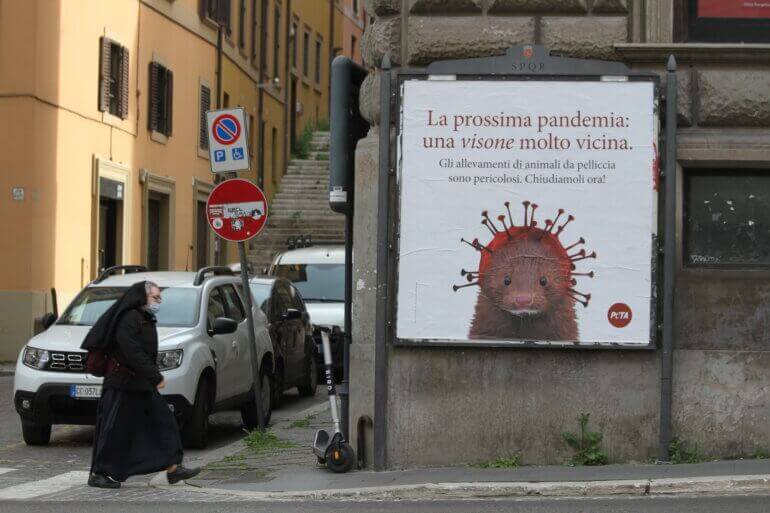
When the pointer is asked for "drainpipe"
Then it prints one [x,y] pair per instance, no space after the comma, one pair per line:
[261,97]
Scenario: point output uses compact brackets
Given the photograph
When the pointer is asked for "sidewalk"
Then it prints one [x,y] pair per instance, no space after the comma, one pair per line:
[283,467]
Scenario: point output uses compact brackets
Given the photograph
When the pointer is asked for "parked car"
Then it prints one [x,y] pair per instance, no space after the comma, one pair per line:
[318,272]
[204,354]
[296,362]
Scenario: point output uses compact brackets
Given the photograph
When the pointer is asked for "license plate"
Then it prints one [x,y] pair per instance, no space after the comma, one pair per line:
[85,391]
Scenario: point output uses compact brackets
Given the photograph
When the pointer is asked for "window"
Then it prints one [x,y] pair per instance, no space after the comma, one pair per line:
[235,309]
[353,47]
[722,21]
[161,99]
[727,218]
[306,53]
[294,43]
[254,31]
[113,78]
[355,7]
[215,307]
[276,38]
[225,100]
[205,105]
[318,44]
[242,25]
[217,11]
[316,282]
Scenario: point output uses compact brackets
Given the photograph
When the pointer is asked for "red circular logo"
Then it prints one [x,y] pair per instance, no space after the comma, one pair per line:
[619,315]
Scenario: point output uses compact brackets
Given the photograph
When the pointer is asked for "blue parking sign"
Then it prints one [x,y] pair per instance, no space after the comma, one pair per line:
[219,156]
[237,153]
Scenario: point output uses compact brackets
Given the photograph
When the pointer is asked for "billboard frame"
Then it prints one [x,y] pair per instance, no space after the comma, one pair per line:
[520,63]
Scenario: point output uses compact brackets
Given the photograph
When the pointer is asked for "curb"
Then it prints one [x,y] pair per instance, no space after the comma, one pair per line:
[439,491]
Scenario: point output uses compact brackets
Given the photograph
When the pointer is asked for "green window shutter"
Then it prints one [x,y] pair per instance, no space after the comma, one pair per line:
[104,73]
[169,102]
[124,61]
[153,115]
[203,134]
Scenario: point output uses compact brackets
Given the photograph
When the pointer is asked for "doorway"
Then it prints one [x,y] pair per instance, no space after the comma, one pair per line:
[110,240]
[158,231]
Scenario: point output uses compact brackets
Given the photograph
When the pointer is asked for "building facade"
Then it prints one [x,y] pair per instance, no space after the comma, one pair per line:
[106,162]
[448,406]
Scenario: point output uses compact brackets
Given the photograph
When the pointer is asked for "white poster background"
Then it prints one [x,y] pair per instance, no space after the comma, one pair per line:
[615,218]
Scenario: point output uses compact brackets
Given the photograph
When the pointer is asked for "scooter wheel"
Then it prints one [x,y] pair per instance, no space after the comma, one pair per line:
[340,458]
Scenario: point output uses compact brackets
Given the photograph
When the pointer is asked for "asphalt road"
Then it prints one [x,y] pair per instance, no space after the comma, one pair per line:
[70,447]
[746,504]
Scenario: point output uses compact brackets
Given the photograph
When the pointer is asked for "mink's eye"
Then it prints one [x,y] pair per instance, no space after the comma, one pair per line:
[507,280]
[543,281]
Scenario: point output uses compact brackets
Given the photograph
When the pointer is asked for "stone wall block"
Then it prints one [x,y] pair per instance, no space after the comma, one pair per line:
[382,7]
[445,6]
[540,6]
[588,38]
[381,37]
[369,99]
[611,6]
[463,37]
[734,98]
[684,80]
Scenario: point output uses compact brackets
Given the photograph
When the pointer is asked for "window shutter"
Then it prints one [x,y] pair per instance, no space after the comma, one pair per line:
[170,101]
[104,74]
[204,8]
[124,82]
[223,13]
[203,134]
[153,98]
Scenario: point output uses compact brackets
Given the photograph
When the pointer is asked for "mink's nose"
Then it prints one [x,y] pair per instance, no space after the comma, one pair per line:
[522,300]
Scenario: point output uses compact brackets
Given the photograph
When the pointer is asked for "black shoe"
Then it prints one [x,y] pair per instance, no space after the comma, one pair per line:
[181,473]
[102,481]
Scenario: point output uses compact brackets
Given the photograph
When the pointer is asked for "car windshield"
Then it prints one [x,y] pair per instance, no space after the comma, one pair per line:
[179,306]
[316,282]
[261,293]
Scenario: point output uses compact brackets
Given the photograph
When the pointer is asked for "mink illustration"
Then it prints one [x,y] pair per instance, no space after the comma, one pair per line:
[526,279]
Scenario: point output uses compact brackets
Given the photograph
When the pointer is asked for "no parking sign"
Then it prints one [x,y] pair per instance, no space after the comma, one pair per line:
[228,140]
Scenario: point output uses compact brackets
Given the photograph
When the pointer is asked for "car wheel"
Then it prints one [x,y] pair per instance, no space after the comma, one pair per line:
[249,411]
[307,388]
[34,433]
[195,431]
[278,384]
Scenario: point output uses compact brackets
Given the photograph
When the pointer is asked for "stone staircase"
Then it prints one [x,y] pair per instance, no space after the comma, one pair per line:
[300,207]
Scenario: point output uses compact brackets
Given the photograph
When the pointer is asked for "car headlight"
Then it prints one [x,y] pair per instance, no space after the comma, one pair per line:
[168,360]
[36,358]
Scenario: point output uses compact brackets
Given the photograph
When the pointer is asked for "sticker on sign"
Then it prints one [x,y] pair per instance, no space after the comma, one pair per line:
[228,140]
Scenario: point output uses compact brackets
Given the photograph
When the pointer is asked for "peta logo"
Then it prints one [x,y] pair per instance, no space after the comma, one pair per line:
[620,315]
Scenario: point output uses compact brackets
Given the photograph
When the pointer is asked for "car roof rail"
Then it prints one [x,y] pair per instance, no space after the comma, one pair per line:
[216,270]
[115,269]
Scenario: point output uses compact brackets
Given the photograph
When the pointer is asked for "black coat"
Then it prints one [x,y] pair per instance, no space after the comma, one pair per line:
[135,347]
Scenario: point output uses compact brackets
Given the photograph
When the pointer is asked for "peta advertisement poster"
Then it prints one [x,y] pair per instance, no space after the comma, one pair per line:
[745,9]
[527,211]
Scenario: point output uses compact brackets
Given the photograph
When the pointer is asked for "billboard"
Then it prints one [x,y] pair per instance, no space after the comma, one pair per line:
[742,9]
[527,212]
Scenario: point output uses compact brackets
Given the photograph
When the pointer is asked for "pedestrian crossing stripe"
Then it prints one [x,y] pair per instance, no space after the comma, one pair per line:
[48,486]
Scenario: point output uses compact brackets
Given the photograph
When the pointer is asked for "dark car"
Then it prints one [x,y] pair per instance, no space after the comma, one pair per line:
[292,336]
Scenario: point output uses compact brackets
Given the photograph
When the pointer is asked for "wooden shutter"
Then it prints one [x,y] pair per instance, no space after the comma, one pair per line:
[153,98]
[169,101]
[204,8]
[124,82]
[104,73]
[223,13]
[203,134]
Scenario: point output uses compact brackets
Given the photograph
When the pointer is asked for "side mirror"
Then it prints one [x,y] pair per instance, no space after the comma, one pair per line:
[292,314]
[47,320]
[223,326]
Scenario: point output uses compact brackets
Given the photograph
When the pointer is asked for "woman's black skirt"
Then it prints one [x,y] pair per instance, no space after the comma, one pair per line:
[136,434]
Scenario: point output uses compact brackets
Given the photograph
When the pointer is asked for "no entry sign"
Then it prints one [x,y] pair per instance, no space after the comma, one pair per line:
[236,210]
[228,140]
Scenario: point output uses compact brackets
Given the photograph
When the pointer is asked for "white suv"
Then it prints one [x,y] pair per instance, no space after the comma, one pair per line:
[203,353]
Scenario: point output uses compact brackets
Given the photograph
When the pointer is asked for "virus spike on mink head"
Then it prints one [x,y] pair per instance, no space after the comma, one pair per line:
[526,272]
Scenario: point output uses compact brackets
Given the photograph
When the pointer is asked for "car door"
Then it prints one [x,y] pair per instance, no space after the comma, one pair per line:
[241,371]
[283,331]
[223,347]
[301,332]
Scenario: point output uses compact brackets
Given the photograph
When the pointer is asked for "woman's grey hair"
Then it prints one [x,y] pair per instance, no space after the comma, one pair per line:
[149,285]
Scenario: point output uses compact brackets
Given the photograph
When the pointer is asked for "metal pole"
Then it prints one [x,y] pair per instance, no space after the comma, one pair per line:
[219,65]
[252,338]
[344,390]
[669,266]
[381,347]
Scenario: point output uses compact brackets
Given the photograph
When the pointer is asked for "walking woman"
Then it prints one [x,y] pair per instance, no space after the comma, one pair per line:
[136,433]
